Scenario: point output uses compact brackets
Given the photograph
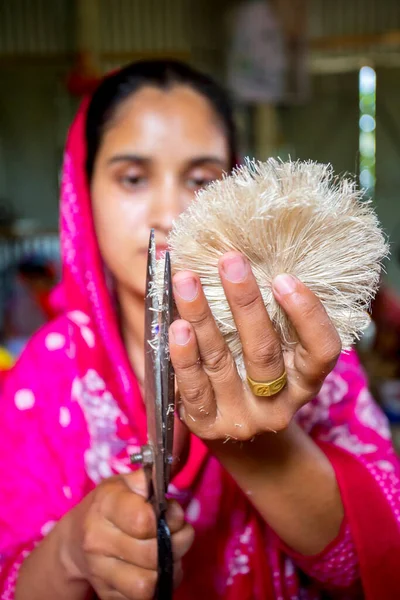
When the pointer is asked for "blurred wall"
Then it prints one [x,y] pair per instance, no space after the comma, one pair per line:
[34,111]
[326,128]
[39,38]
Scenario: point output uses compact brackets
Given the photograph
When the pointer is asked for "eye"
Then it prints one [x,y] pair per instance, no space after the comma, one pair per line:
[132,181]
[197,183]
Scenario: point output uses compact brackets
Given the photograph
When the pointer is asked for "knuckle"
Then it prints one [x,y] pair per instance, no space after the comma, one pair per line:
[143,522]
[104,495]
[90,541]
[145,586]
[240,431]
[216,360]
[194,395]
[249,302]
[312,311]
[150,554]
[201,319]
[281,420]
[331,351]
[243,433]
[92,527]
[328,355]
[204,429]
[186,368]
[267,353]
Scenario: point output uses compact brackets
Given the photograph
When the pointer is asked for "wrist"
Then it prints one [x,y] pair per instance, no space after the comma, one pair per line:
[50,570]
[269,455]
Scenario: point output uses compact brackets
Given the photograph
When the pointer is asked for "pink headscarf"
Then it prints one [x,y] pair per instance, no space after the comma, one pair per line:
[85,290]
[72,413]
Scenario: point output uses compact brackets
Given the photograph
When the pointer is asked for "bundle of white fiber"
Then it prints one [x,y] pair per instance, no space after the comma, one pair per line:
[286,217]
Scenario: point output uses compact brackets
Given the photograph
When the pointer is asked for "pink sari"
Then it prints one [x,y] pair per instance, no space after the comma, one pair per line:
[72,413]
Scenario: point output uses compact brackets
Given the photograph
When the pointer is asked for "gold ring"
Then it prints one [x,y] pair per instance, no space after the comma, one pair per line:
[267,388]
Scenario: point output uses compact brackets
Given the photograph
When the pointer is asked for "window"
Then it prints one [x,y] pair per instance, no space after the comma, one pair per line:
[367,145]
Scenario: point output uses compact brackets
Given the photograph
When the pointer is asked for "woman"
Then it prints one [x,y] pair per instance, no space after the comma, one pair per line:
[281,515]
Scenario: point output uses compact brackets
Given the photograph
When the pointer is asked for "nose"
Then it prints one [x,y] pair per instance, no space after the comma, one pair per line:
[166,205]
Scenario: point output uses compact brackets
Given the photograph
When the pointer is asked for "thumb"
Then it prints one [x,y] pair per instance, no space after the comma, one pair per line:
[137,482]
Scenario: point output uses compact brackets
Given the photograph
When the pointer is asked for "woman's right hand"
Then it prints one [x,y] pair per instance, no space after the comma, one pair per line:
[112,540]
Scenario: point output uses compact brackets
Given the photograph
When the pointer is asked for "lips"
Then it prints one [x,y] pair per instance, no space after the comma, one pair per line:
[160,251]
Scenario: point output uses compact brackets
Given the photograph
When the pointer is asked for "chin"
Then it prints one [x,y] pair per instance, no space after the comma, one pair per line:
[138,289]
[134,287]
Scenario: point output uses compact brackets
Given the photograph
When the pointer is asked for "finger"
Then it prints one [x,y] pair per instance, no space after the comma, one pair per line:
[106,592]
[137,482]
[135,516]
[126,510]
[178,573]
[114,543]
[261,345]
[175,516]
[320,344]
[182,541]
[216,358]
[130,581]
[197,396]
[111,542]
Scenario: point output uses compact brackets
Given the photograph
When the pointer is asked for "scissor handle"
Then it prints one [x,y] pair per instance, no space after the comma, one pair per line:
[165,583]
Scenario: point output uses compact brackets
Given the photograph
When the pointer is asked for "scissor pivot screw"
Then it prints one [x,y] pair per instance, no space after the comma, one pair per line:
[144,457]
[136,459]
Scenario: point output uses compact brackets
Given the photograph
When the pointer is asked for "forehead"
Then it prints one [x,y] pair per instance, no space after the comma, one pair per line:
[153,119]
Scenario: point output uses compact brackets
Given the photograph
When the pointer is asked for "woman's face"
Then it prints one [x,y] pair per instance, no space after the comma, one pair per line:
[160,148]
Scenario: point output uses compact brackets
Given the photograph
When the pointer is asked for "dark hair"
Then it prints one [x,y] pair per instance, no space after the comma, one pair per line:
[163,74]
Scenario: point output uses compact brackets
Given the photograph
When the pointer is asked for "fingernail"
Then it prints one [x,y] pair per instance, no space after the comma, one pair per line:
[284,284]
[181,333]
[186,287]
[234,268]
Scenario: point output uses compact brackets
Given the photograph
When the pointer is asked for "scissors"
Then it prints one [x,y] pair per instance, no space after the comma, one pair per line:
[156,455]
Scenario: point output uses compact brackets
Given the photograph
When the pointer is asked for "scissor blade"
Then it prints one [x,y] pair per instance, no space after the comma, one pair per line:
[167,372]
[153,386]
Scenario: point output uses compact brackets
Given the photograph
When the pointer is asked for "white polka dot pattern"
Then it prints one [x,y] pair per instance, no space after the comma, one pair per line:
[193,511]
[8,589]
[47,527]
[65,416]
[54,341]
[338,567]
[390,486]
[24,399]
[67,491]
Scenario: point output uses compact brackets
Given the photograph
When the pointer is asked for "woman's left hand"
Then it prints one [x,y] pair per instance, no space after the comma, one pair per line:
[215,403]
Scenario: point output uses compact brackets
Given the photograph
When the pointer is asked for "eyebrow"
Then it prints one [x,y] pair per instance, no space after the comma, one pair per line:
[128,158]
[202,160]
[195,162]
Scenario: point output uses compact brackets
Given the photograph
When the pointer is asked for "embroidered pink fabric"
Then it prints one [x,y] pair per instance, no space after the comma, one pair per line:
[72,413]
